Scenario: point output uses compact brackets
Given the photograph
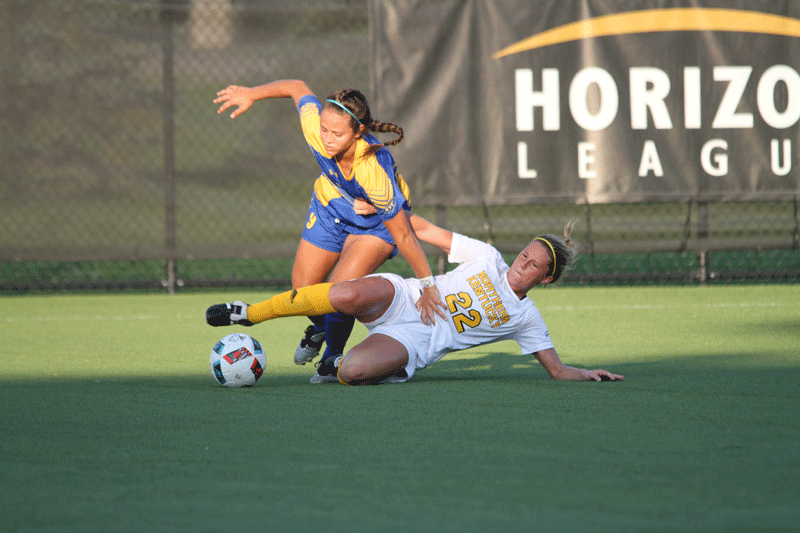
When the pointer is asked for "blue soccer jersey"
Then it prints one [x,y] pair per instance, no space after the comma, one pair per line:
[374,176]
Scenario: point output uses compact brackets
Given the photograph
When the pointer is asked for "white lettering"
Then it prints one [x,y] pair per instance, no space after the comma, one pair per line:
[775,156]
[721,160]
[527,99]
[692,115]
[727,117]
[608,100]
[585,160]
[593,97]
[765,95]
[649,87]
[522,162]
[650,161]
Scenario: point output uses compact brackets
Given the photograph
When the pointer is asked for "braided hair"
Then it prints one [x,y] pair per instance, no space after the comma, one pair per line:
[562,252]
[353,101]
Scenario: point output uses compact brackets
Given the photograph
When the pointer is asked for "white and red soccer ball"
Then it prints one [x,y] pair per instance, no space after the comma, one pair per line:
[237,360]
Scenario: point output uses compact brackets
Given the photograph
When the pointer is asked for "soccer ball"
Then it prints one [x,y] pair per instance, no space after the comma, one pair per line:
[237,360]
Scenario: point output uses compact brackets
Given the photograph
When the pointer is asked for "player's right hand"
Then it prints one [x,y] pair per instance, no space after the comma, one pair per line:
[234,95]
[429,305]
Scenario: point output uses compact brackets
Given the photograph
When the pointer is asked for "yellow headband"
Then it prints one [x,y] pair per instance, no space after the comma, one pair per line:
[553,273]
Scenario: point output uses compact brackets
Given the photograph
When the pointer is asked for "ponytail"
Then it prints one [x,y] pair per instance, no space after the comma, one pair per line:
[353,102]
[562,252]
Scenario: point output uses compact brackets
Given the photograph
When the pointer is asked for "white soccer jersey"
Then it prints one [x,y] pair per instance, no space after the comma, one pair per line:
[482,309]
[481,304]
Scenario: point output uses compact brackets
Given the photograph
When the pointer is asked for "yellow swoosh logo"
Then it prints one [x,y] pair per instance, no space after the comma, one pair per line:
[656,20]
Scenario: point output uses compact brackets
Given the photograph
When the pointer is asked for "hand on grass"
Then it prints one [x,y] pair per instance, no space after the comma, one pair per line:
[601,375]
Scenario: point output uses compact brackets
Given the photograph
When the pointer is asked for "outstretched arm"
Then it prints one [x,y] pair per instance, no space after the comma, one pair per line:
[558,370]
[244,97]
[431,233]
[426,231]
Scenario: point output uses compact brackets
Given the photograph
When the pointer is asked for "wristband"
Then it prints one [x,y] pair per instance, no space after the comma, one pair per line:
[427,282]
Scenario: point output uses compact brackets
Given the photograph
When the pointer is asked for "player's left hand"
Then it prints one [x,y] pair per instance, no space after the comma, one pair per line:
[234,95]
[429,305]
[602,375]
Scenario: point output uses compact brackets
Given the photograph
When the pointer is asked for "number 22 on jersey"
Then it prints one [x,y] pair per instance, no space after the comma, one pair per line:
[459,308]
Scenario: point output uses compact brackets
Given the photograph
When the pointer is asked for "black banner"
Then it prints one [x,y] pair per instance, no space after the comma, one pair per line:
[509,102]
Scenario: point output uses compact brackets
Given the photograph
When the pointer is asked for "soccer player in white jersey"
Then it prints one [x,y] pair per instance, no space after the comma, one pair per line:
[486,299]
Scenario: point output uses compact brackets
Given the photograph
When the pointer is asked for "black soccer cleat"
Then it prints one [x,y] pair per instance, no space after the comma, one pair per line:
[327,370]
[309,346]
[228,315]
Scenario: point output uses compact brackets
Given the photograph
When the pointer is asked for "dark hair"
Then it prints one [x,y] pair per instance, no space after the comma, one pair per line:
[355,102]
[565,251]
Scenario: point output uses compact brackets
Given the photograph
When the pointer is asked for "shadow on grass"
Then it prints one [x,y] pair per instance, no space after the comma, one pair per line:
[485,438]
[491,366]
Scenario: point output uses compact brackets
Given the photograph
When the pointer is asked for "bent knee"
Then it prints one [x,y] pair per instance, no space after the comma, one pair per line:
[345,297]
[353,371]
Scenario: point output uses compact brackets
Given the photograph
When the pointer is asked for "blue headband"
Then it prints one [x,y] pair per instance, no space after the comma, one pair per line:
[343,107]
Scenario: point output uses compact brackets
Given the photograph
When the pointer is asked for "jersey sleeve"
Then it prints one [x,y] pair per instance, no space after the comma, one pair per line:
[375,174]
[464,249]
[534,336]
[309,108]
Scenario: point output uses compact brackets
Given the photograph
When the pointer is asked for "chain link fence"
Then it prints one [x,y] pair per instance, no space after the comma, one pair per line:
[119,173]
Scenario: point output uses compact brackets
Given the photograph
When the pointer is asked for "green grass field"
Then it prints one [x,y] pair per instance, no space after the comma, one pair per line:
[111,421]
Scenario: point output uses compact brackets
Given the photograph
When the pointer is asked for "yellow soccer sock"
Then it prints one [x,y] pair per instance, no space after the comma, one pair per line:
[305,301]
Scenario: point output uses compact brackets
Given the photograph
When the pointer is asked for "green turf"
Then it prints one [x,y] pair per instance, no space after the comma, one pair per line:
[111,422]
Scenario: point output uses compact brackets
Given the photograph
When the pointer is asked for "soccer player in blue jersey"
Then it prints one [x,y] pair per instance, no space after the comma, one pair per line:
[338,242]
[487,302]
